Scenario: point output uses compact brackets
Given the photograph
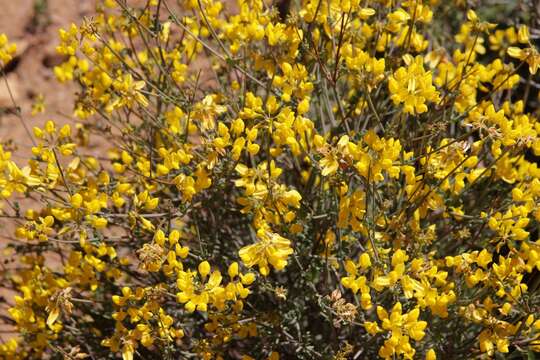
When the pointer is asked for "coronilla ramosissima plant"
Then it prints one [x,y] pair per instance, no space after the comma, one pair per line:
[311,179]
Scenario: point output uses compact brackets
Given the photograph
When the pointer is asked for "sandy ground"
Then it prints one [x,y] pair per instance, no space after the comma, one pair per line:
[33,25]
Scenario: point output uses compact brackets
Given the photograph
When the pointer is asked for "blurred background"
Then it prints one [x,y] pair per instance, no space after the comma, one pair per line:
[33,25]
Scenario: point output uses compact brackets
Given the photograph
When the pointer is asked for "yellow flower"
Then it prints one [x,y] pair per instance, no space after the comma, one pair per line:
[196,293]
[207,110]
[413,86]
[7,50]
[129,93]
[529,55]
[401,327]
[271,249]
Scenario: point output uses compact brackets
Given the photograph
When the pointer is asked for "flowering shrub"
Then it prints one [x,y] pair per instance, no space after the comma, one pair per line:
[316,179]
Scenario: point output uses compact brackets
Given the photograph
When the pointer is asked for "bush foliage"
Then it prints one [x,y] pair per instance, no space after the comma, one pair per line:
[311,179]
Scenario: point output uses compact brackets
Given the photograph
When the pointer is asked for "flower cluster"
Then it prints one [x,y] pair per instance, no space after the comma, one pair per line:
[305,179]
[7,50]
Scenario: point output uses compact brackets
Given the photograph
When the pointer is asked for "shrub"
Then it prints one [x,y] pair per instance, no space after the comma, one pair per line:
[316,179]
